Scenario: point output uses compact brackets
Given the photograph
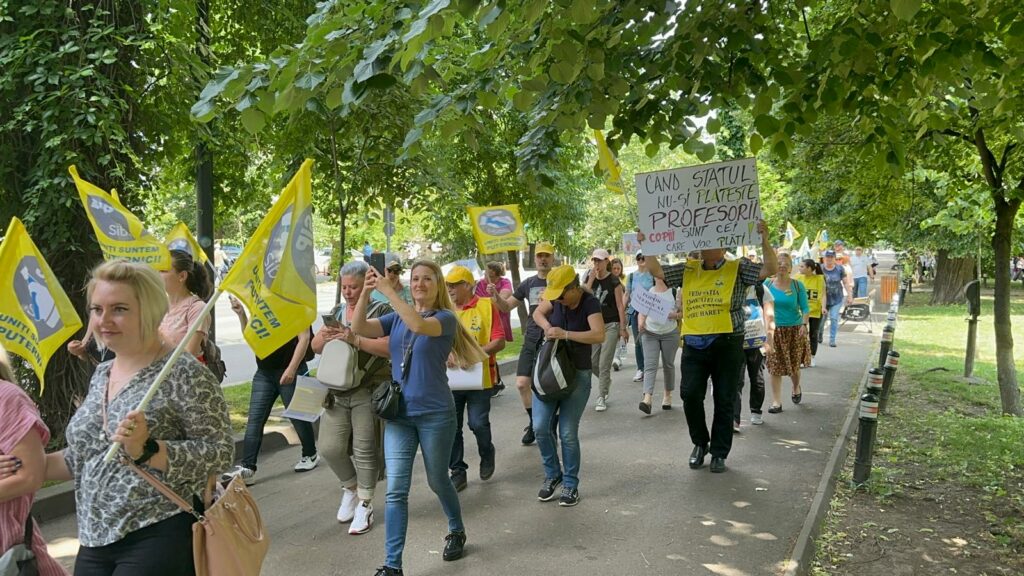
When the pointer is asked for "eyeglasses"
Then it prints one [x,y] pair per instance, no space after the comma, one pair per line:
[640,258]
[395,270]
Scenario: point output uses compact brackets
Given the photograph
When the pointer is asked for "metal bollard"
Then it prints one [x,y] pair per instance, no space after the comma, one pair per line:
[887,337]
[892,361]
[865,436]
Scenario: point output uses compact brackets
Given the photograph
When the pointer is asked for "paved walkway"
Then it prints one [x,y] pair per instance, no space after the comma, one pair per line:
[643,511]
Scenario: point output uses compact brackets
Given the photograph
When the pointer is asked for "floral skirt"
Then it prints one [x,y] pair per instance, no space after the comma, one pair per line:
[790,349]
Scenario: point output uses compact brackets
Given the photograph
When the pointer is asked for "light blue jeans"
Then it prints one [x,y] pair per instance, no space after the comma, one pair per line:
[570,410]
[433,434]
[860,287]
[833,324]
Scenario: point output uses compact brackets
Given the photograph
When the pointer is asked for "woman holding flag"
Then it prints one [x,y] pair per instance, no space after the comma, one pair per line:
[124,525]
[422,339]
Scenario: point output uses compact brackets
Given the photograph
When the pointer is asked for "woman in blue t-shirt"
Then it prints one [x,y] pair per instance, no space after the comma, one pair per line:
[433,333]
[788,347]
[568,313]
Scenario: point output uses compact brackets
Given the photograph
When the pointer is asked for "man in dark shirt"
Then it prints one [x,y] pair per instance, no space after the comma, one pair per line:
[529,291]
[713,294]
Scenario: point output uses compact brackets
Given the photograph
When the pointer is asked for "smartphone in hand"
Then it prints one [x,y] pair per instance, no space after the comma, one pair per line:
[330,320]
[377,261]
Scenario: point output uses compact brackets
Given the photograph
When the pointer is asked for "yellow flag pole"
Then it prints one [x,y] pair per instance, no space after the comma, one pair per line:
[166,370]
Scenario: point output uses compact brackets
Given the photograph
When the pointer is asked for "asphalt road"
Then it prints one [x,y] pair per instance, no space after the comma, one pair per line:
[643,511]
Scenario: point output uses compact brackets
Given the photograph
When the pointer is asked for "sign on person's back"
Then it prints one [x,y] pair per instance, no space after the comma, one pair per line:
[648,304]
[699,207]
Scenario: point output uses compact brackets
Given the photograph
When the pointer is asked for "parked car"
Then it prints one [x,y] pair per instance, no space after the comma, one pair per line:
[322,261]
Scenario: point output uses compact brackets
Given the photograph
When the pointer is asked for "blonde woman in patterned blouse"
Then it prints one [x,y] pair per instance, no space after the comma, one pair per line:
[124,525]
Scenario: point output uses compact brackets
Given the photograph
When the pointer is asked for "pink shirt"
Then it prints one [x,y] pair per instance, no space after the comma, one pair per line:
[21,418]
[179,317]
[506,317]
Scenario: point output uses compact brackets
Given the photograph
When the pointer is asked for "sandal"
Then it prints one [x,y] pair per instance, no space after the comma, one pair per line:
[774,409]
[797,397]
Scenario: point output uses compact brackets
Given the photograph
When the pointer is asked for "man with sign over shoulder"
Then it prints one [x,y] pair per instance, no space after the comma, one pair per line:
[713,292]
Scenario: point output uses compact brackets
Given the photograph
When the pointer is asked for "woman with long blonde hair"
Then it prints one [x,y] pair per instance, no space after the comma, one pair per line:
[427,333]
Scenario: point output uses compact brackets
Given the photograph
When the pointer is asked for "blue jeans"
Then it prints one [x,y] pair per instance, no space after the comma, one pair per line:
[433,434]
[266,387]
[638,345]
[860,287]
[478,404]
[570,410]
[833,324]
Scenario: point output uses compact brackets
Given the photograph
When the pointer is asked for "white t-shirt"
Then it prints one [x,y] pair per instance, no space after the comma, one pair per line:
[860,264]
[662,326]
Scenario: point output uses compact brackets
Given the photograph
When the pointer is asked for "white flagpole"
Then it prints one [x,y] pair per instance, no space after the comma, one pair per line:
[166,370]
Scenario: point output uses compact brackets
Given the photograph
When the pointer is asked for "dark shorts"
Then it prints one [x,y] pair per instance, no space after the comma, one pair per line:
[528,357]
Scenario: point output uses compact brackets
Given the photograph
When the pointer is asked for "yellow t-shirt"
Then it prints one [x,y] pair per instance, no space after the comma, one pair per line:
[707,296]
[477,318]
[815,284]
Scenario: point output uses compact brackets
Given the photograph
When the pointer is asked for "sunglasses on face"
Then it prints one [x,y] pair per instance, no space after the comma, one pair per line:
[640,258]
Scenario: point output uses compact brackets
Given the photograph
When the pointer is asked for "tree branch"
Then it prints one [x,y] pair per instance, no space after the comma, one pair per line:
[1007,150]
[987,161]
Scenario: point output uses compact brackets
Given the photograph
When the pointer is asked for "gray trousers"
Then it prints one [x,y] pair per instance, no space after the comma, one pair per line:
[664,346]
[601,357]
[349,440]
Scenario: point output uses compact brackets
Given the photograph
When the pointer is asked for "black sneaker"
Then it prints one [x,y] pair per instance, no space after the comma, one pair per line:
[487,468]
[459,480]
[570,497]
[528,435]
[547,490]
[388,571]
[454,545]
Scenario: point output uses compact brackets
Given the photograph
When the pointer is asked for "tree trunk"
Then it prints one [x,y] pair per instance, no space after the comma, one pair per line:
[950,276]
[513,265]
[1009,392]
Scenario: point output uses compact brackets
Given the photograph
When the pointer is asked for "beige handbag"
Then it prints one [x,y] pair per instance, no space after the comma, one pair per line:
[229,539]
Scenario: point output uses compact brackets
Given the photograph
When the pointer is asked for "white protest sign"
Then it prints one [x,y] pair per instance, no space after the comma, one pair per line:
[650,304]
[699,207]
[629,243]
[307,400]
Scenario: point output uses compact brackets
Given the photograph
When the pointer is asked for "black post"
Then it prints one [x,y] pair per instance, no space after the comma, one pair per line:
[973,295]
[887,336]
[865,436]
[204,158]
[892,362]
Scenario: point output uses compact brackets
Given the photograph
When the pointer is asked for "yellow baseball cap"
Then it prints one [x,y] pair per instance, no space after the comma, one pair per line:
[459,274]
[544,248]
[558,279]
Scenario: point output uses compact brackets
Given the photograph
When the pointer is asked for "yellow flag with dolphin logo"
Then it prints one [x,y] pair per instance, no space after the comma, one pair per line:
[274,275]
[608,164]
[497,228]
[121,235]
[181,238]
[36,316]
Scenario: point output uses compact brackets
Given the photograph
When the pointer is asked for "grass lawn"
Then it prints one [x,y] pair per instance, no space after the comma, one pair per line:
[237,396]
[947,487]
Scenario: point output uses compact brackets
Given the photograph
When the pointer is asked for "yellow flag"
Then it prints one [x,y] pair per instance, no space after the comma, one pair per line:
[274,275]
[36,316]
[609,165]
[791,235]
[121,235]
[180,238]
[497,228]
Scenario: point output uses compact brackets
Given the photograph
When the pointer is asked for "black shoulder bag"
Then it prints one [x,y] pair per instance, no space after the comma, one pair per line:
[387,397]
[554,374]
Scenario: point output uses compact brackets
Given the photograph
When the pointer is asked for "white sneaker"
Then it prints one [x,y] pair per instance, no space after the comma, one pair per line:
[756,419]
[601,405]
[307,463]
[616,365]
[812,362]
[347,510]
[639,376]
[248,475]
[363,520]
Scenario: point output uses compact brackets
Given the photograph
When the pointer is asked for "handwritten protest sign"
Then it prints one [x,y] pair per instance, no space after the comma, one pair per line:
[699,207]
[649,304]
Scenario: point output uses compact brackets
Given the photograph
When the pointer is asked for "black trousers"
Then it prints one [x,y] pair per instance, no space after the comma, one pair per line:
[723,361]
[161,549]
[813,332]
[754,368]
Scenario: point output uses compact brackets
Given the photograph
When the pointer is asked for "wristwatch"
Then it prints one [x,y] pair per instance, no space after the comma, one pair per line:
[149,449]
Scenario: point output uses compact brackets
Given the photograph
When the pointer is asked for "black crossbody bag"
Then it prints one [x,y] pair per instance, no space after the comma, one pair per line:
[387,397]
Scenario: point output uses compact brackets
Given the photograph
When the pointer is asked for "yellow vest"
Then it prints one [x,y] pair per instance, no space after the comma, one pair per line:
[707,296]
[477,320]
[815,284]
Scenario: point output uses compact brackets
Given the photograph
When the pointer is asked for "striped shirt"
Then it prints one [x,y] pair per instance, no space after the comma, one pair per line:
[21,418]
